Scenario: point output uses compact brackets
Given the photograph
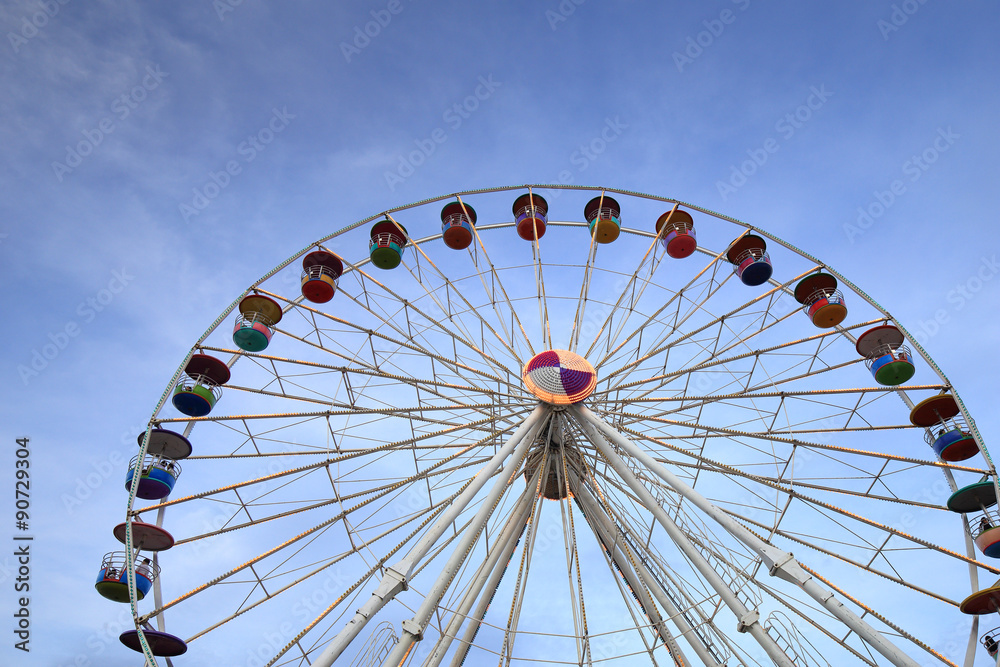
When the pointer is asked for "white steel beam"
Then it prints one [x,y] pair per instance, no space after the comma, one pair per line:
[747,620]
[413,629]
[606,531]
[606,536]
[489,574]
[396,576]
[780,563]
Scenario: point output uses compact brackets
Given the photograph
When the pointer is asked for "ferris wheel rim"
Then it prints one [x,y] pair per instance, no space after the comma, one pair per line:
[253,288]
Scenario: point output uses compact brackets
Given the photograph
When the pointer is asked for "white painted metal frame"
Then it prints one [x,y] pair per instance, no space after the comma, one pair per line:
[473,344]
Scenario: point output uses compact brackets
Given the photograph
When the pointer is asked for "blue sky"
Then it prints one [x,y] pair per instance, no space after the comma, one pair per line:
[160,158]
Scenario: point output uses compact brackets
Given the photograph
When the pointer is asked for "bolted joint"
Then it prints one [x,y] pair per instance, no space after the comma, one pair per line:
[411,627]
[397,576]
[783,565]
[392,583]
[747,620]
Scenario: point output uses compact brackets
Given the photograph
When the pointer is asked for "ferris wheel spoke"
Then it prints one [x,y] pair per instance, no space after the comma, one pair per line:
[407,413]
[714,357]
[430,556]
[520,584]
[581,302]
[491,293]
[631,566]
[415,412]
[808,394]
[505,653]
[393,486]
[493,566]
[347,412]
[303,535]
[581,626]
[633,299]
[493,426]
[730,361]
[480,247]
[689,400]
[810,542]
[663,342]
[543,302]
[589,270]
[787,487]
[819,338]
[469,308]
[357,365]
[880,617]
[666,577]
[400,343]
[432,515]
[799,483]
[774,437]
[395,576]
[365,372]
[271,595]
[465,340]
[747,620]
[435,469]
[791,492]
[431,512]
[888,530]
[660,344]
[809,618]
[685,612]
[778,561]
[415,627]
[758,322]
[432,599]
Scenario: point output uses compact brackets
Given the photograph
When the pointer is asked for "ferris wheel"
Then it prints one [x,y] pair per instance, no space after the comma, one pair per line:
[483,428]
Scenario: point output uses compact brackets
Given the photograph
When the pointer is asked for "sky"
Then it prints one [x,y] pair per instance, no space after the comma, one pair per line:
[158,158]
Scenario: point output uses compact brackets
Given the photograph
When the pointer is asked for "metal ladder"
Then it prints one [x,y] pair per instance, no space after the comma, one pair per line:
[734,578]
[377,647]
[792,642]
[671,588]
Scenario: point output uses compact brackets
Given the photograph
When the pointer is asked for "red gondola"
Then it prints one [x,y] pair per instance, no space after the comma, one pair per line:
[457,220]
[676,231]
[320,272]
[529,216]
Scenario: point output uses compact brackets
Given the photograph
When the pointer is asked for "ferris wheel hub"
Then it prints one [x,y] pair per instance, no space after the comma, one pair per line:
[559,377]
